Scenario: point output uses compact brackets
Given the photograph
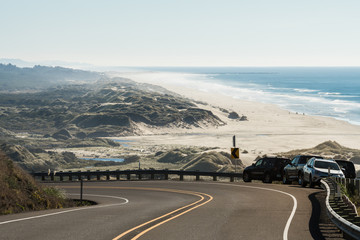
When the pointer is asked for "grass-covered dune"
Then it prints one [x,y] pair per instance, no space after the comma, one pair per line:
[328,149]
[19,192]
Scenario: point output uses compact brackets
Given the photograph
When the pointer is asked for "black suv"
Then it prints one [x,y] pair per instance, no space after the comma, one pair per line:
[293,170]
[347,167]
[266,169]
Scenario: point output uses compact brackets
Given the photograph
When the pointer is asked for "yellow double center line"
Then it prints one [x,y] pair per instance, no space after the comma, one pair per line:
[204,199]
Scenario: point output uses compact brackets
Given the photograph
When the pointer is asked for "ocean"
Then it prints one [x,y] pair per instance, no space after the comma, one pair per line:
[318,91]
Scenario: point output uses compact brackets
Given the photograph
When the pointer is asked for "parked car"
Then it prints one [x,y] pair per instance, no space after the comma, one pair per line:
[266,169]
[316,169]
[347,167]
[293,171]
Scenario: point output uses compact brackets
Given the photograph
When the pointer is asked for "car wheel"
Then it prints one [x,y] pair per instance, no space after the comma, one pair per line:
[246,177]
[303,182]
[299,179]
[285,180]
[311,183]
[267,178]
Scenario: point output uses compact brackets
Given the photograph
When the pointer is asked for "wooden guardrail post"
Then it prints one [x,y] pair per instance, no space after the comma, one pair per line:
[231,178]
[357,186]
[42,177]
[61,178]
[128,176]
[181,177]
[108,175]
[214,178]
[152,176]
[70,176]
[347,182]
[166,176]
[197,177]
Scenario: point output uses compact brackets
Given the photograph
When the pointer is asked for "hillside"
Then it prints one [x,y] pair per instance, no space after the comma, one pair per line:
[198,159]
[50,118]
[112,107]
[328,149]
[19,192]
[13,78]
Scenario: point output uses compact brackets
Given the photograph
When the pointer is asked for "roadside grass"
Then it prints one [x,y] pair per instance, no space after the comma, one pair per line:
[353,194]
[19,192]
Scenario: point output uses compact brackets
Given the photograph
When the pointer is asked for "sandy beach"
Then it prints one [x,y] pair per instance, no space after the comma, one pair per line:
[269,129]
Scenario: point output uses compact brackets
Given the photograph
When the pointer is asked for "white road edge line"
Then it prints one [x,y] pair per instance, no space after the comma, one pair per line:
[288,223]
[72,210]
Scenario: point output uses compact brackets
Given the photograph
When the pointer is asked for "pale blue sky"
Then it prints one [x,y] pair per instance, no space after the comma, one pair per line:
[182,32]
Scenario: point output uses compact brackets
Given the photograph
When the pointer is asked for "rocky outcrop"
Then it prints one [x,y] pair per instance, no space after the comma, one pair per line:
[235,115]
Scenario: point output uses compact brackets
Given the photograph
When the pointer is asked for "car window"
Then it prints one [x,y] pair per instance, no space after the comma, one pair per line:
[311,162]
[294,161]
[346,165]
[258,163]
[303,160]
[268,162]
[342,164]
[326,165]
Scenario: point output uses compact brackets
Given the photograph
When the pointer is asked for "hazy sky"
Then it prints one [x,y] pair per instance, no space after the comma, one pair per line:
[182,32]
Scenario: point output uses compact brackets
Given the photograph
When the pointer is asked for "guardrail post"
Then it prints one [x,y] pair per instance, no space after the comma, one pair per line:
[52,177]
[197,177]
[42,177]
[97,175]
[117,176]
[108,175]
[61,178]
[338,191]
[181,177]
[347,182]
[214,178]
[139,176]
[70,176]
[340,216]
[166,176]
[79,176]
[231,178]
[128,176]
[357,184]
[152,177]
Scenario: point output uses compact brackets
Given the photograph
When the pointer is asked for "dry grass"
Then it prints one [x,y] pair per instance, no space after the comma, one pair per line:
[19,192]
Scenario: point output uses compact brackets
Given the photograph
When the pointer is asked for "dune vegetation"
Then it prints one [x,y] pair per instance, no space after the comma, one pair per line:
[19,192]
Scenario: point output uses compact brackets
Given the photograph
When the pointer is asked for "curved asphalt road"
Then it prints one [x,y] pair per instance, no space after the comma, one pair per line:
[172,210]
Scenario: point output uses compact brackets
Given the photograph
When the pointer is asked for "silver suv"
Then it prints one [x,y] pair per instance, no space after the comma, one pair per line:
[316,168]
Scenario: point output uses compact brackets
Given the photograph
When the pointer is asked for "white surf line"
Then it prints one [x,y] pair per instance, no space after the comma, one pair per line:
[72,210]
[287,226]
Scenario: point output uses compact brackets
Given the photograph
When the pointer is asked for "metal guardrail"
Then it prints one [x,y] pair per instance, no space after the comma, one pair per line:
[344,225]
[141,174]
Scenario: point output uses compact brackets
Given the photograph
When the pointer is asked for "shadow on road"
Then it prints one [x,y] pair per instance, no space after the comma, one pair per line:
[320,225]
